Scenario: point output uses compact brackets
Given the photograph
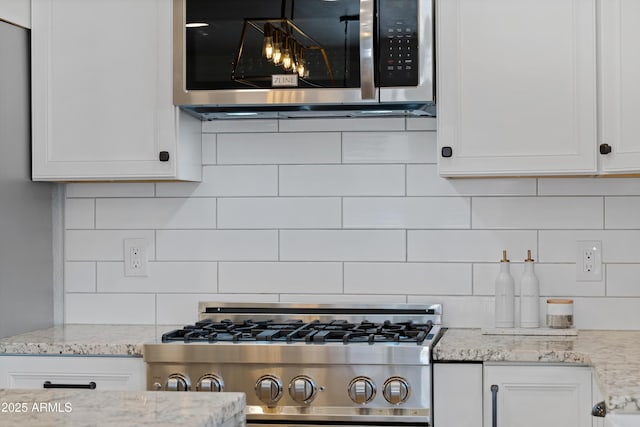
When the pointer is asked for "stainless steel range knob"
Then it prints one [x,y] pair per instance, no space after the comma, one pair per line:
[396,390]
[178,382]
[210,382]
[302,389]
[362,390]
[269,389]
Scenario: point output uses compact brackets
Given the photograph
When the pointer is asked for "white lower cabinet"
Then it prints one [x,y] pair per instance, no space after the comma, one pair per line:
[537,395]
[457,397]
[108,373]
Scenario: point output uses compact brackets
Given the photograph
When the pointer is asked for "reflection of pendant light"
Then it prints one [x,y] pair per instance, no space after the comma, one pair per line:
[277,48]
[287,62]
[299,64]
[267,46]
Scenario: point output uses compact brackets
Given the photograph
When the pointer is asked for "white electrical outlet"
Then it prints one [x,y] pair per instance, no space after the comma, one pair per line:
[589,260]
[135,257]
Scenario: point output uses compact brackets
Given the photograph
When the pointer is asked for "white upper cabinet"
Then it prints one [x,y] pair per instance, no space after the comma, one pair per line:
[102,94]
[17,12]
[516,87]
[619,85]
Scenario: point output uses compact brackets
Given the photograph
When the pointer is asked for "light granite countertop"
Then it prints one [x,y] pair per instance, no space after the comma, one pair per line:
[614,356]
[77,408]
[85,340]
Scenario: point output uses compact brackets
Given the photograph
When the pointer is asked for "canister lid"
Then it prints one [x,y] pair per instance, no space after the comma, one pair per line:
[559,301]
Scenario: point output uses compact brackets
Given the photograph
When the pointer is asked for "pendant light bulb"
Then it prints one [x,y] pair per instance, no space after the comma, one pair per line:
[267,44]
[286,55]
[277,49]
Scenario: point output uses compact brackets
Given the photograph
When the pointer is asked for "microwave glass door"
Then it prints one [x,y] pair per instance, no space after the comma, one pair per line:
[227,44]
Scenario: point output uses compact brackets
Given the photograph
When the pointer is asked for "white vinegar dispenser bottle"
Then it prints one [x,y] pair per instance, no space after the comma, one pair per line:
[529,296]
[504,309]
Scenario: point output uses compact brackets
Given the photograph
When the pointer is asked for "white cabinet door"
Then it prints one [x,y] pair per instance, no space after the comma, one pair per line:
[457,394]
[102,93]
[17,12]
[108,373]
[534,396]
[516,87]
[619,87]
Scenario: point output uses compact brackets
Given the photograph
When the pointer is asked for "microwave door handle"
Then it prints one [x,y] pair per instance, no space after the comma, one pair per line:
[367,83]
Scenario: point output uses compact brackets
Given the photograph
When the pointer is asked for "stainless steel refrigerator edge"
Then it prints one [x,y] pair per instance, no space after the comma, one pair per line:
[26,251]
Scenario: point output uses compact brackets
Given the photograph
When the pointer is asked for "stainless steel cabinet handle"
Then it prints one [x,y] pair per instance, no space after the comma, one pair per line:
[494,405]
[599,410]
[49,384]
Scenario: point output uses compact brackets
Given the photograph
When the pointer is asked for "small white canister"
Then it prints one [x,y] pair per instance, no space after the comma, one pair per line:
[560,313]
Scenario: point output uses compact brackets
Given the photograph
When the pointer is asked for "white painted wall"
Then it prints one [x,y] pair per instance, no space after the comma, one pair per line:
[344,210]
[17,12]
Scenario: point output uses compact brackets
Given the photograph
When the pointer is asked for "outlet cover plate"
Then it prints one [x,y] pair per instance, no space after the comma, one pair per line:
[135,257]
[589,261]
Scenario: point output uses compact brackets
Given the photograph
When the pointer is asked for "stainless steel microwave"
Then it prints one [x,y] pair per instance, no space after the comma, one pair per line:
[303,57]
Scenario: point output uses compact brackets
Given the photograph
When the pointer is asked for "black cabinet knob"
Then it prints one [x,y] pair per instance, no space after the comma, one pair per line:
[164,156]
[447,151]
[605,148]
[599,410]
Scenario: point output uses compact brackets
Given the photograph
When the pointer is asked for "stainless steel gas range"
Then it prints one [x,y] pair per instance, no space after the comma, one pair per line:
[306,365]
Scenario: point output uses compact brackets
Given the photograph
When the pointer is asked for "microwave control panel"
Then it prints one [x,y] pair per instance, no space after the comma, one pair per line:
[398,43]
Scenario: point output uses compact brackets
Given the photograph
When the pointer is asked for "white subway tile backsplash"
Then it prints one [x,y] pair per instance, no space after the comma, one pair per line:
[112,189]
[103,245]
[342,180]
[460,311]
[79,276]
[537,212]
[209,149]
[281,277]
[588,187]
[187,277]
[622,212]
[79,213]
[389,147]
[623,280]
[618,246]
[182,309]
[279,148]
[319,210]
[407,278]
[158,213]
[281,212]
[117,309]
[342,124]
[240,126]
[606,313]
[468,245]
[407,212]
[217,245]
[423,180]
[342,245]
[226,181]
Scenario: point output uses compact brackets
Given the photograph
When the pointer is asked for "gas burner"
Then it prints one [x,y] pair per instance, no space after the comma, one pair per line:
[296,330]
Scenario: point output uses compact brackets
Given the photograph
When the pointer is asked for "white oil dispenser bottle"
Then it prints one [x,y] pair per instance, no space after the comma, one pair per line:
[504,301]
[529,296]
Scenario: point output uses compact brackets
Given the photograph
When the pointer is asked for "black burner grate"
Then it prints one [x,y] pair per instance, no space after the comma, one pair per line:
[290,331]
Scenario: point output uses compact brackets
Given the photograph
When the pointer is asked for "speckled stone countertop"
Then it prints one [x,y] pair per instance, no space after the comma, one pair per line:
[614,355]
[85,340]
[76,408]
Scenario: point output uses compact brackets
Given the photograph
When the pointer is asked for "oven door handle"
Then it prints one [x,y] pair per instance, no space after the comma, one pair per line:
[90,386]
[367,80]
[494,405]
